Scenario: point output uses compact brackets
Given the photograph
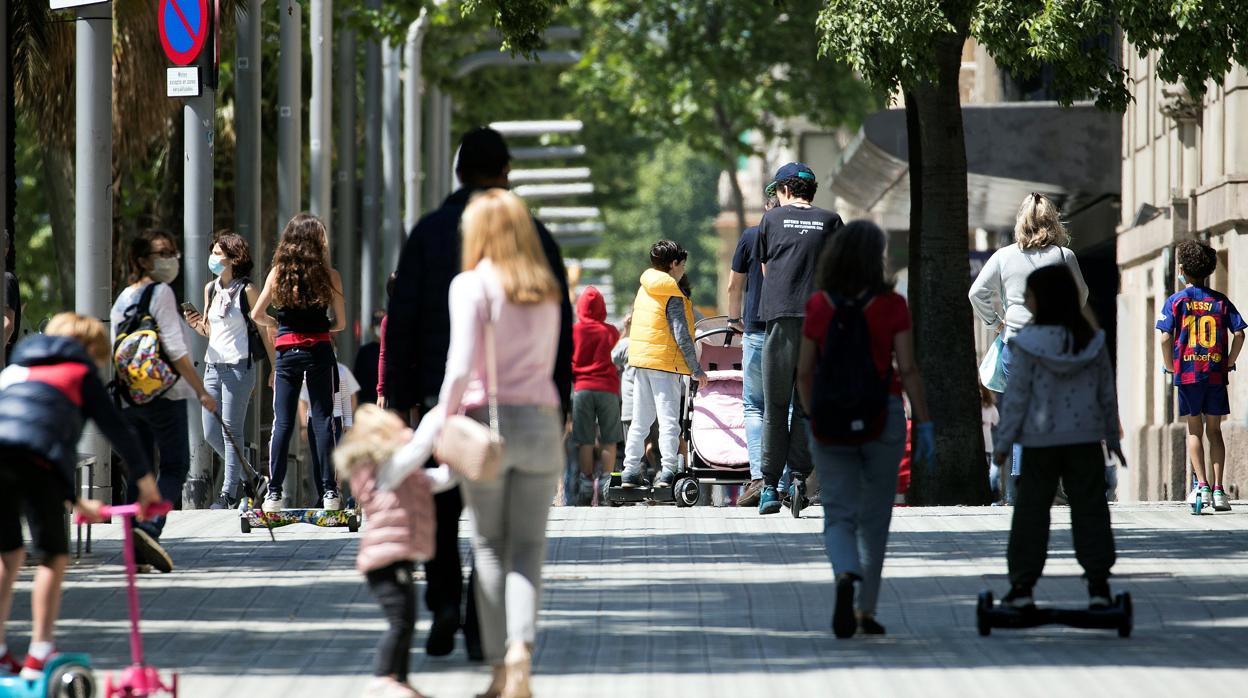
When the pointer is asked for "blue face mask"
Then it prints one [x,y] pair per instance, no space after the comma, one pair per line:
[216,264]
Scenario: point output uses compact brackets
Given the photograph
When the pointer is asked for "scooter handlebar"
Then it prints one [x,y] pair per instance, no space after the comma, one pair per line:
[123,510]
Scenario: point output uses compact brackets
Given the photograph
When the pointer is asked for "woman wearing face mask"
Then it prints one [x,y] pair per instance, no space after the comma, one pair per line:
[162,423]
[233,345]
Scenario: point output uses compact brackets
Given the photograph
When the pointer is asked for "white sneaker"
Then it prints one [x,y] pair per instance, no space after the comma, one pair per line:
[1220,501]
[331,502]
[272,503]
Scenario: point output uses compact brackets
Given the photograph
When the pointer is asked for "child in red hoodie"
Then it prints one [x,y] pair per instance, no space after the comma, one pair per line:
[595,391]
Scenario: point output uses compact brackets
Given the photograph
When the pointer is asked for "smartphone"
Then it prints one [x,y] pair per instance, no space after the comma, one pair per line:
[189,308]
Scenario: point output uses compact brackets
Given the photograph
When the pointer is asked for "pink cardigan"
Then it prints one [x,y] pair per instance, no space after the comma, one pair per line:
[400,523]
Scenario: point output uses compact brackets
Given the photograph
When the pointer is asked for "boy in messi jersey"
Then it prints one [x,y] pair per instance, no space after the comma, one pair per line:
[1196,324]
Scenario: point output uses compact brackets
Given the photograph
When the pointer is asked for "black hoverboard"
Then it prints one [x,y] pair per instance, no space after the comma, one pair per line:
[1118,616]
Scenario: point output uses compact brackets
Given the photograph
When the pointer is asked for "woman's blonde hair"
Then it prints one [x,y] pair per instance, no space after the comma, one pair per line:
[498,226]
[87,331]
[1039,223]
[373,439]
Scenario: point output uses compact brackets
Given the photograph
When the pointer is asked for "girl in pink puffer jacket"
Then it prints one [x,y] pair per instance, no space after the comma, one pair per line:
[397,500]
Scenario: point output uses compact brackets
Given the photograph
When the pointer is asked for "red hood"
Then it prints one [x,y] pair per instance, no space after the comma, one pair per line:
[591,306]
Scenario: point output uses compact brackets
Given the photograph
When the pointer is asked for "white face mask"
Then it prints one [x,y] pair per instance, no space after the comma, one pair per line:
[165,270]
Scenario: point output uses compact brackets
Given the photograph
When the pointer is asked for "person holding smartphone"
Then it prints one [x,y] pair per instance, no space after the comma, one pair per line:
[234,343]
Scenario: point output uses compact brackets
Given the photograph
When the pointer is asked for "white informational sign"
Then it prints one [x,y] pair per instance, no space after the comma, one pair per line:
[182,82]
[66,4]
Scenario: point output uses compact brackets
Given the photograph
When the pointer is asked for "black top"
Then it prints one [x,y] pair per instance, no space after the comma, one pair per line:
[365,370]
[790,239]
[745,261]
[51,389]
[418,327]
[13,299]
[311,320]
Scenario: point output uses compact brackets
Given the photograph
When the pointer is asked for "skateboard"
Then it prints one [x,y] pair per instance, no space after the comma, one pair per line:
[249,518]
[1118,616]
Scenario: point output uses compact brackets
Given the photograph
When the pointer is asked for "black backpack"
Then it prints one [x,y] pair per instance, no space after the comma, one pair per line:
[255,345]
[850,396]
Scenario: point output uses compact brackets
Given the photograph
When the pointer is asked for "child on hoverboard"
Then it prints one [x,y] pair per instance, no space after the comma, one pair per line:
[46,395]
[1059,405]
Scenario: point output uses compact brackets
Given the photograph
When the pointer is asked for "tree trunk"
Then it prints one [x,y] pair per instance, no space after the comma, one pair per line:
[738,197]
[943,329]
[728,138]
[58,187]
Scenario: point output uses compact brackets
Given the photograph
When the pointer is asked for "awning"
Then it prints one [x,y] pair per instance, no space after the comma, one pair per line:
[1070,154]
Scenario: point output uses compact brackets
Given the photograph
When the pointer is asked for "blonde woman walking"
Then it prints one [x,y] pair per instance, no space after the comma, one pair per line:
[1040,240]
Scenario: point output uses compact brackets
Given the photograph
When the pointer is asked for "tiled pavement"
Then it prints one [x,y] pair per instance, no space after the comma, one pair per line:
[658,601]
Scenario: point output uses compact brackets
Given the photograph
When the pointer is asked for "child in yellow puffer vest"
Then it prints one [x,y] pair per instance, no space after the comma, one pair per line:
[660,348]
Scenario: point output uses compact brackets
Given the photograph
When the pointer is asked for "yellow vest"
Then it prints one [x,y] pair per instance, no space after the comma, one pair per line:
[650,341]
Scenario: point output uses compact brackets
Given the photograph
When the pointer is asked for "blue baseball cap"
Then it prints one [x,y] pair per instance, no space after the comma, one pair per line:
[788,171]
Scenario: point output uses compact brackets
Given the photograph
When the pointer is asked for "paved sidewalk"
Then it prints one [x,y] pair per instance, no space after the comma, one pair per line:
[658,601]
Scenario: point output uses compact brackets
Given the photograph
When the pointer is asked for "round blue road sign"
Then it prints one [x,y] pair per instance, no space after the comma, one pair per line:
[183,29]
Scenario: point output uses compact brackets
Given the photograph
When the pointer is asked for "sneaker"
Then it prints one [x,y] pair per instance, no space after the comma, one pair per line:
[584,490]
[148,551]
[224,501]
[8,664]
[750,496]
[1220,500]
[32,669]
[769,501]
[272,502]
[631,478]
[1205,492]
[843,622]
[1099,596]
[868,625]
[331,502]
[665,479]
[1019,599]
[388,687]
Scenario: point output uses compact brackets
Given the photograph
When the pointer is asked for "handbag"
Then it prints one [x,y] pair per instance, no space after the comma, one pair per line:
[992,369]
[470,448]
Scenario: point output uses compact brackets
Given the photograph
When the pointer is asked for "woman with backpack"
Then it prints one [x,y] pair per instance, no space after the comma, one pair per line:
[857,356]
[234,346]
[304,289]
[155,376]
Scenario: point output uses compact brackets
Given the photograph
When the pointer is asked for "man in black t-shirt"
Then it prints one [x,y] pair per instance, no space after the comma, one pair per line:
[745,285]
[790,239]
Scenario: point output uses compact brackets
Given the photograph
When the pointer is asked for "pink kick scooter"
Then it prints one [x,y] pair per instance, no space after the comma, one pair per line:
[137,680]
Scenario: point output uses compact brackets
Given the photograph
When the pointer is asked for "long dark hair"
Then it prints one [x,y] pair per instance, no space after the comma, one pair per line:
[303,279]
[852,261]
[1057,303]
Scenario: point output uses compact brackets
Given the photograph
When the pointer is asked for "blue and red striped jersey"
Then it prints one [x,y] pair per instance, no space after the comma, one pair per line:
[1201,321]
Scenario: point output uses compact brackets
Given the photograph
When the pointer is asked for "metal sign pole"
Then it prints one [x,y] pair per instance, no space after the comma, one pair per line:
[347,249]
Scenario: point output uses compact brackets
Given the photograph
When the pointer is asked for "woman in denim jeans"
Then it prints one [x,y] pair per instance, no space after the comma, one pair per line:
[508,286]
[303,288]
[229,373]
[859,481]
[163,422]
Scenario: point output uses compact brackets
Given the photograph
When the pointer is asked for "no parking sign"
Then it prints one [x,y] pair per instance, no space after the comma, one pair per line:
[185,27]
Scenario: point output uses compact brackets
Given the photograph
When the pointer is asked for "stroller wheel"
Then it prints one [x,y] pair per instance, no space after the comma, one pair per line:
[687,492]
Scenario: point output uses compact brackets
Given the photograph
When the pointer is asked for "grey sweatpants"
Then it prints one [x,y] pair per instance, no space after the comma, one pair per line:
[509,525]
[784,434]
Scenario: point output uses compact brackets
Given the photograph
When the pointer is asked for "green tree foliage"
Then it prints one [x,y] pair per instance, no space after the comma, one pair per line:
[915,46]
[704,72]
[676,199]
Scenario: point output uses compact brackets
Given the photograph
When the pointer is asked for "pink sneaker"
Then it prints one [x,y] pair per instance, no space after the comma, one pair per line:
[8,664]
[32,669]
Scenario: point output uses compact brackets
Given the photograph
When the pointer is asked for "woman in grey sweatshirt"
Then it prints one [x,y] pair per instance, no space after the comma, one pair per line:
[1059,406]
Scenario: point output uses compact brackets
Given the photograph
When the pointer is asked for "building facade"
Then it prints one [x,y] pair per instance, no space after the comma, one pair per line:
[1184,176]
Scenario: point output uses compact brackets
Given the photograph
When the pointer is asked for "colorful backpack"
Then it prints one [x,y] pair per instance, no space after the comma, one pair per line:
[143,371]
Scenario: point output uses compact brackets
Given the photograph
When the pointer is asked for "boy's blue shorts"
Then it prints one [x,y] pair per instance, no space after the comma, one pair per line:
[1203,398]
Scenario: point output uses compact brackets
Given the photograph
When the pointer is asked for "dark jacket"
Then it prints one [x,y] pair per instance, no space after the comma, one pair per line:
[418,328]
[46,395]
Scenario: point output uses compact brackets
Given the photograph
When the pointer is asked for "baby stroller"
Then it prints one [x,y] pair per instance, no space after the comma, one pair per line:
[712,422]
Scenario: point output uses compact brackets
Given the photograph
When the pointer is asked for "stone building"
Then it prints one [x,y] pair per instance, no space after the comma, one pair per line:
[1184,176]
